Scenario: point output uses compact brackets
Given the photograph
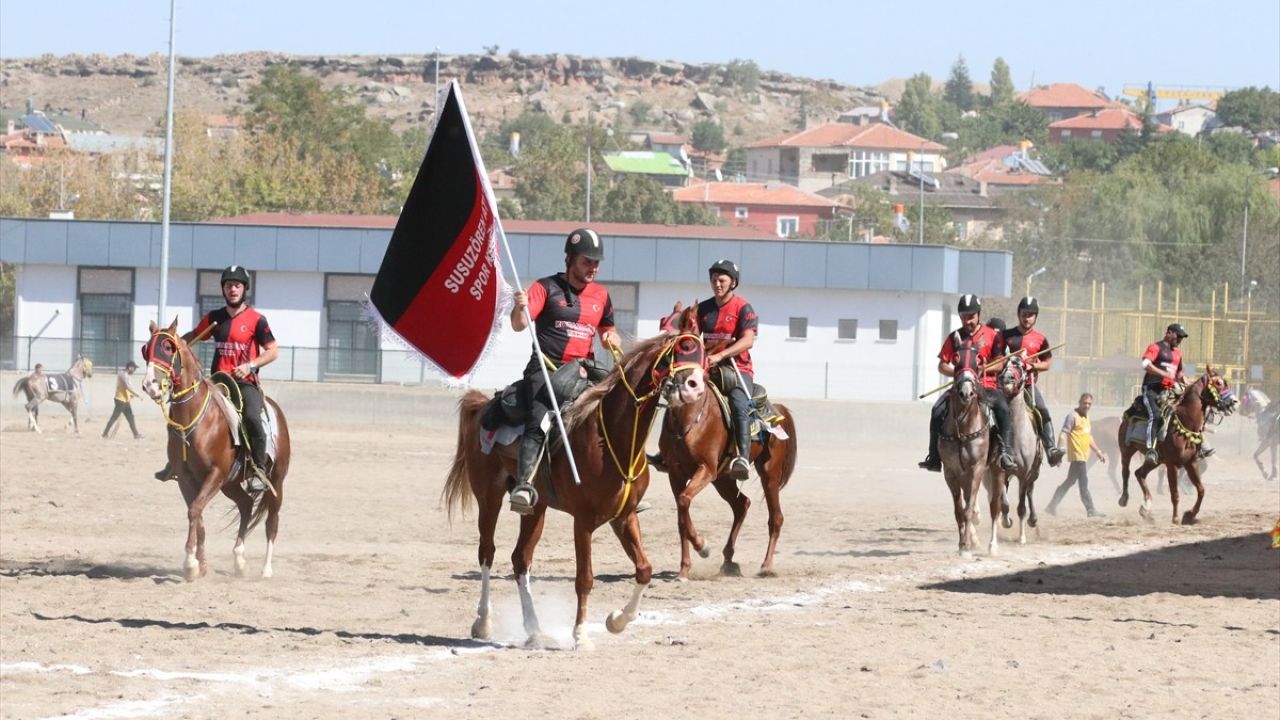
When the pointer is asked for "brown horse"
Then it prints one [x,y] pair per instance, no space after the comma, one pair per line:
[696,447]
[1180,446]
[65,388]
[964,444]
[203,451]
[607,426]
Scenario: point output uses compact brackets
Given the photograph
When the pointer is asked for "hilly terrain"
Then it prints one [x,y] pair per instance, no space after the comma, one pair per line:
[126,93]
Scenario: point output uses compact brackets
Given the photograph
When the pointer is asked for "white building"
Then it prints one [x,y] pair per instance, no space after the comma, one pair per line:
[1187,119]
[837,320]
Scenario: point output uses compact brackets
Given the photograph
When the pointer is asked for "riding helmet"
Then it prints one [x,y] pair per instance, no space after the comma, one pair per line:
[997,324]
[1029,304]
[584,242]
[1177,329]
[236,273]
[725,267]
[969,304]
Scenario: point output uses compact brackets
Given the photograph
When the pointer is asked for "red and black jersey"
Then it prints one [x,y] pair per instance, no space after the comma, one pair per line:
[962,350]
[236,340]
[1033,341]
[726,324]
[567,319]
[1165,357]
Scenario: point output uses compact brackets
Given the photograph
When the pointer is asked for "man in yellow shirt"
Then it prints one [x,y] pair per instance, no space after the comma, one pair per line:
[1079,440]
[123,393]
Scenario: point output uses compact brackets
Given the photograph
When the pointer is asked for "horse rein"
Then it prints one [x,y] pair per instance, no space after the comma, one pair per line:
[172,372]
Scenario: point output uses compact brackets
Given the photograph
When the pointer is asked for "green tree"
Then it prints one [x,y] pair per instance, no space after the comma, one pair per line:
[707,135]
[1079,155]
[1001,83]
[639,112]
[1231,148]
[959,87]
[917,110]
[1254,109]
[638,199]
[743,74]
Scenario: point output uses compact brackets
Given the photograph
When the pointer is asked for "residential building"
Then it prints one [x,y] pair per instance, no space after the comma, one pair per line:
[1103,125]
[29,138]
[777,208]
[1188,119]
[223,126]
[1005,165]
[659,166]
[827,155]
[1060,101]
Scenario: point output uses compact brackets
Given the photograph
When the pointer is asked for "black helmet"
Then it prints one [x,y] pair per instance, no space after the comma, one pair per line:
[1029,304]
[584,242]
[997,324]
[726,267]
[1177,329]
[969,304]
[236,273]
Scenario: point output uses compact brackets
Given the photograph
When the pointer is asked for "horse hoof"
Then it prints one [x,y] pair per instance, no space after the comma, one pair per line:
[731,569]
[267,572]
[1007,522]
[537,641]
[1124,501]
[993,551]
[1188,518]
[616,622]
[1033,521]
[705,551]
[583,644]
[966,555]
[682,577]
[481,629]
[767,572]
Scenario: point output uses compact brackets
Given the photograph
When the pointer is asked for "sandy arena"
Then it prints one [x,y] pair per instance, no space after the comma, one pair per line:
[872,614]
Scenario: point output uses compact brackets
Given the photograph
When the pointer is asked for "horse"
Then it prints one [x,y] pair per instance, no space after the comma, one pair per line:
[1025,451]
[1254,404]
[204,452]
[66,388]
[607,427]
[964,444]
[1180,446]
[696,447]
[1104,434]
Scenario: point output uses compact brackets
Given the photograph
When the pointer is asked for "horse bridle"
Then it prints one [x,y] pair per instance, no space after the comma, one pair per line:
[171,368]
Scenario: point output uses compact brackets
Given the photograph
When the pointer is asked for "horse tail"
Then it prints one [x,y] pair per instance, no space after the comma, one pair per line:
[790,446]
[457,488]
[21,385]
[284,452]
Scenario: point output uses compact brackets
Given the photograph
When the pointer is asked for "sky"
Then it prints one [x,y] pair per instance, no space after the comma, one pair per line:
[1224,43]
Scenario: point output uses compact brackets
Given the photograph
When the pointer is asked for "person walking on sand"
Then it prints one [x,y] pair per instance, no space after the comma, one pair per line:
[123,393]
[1079,440]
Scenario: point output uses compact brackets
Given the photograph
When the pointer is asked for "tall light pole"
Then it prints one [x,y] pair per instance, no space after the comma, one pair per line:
[161,304]
[920,172]
[1032,275]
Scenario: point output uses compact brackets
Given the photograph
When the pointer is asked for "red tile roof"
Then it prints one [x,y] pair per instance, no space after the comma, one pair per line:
[666,138]
[995,172]
[727,193]
[878,136]
[534,227]
[1109,119]
[1063,95]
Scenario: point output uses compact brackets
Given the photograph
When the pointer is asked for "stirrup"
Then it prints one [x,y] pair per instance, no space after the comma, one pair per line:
[523,498]
[655,461]
[163,474]
[257,481]
[1007,462]
[1153,456]
[1055,456]
[931,463]
[1206,452]
[739,469]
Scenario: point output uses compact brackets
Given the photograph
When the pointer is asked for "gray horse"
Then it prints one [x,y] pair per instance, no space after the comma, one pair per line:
[1025,451]
[65,388]
[964,444]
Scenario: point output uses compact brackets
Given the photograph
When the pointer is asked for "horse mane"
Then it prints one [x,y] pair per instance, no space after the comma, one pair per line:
[587,403]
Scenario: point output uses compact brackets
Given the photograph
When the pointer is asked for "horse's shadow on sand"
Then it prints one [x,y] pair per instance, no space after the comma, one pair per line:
[605,578]
[1234,567]
[67,567]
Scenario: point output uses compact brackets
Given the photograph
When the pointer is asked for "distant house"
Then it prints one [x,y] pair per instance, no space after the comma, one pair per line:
[659,166]
[1188,119]
[1005,165]
[28,138]
[669,143]
[829,154]
[1060,101]
[774,207]
[222,126]
[1104,125]
[704,163]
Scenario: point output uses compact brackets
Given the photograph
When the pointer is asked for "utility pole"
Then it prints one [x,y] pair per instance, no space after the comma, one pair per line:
[588,166]
[161,305]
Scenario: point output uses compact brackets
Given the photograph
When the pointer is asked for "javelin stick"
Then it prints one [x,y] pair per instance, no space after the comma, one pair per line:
[988,366]
[201,337]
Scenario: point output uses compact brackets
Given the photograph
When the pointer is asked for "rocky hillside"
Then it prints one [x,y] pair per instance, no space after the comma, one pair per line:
[126,93]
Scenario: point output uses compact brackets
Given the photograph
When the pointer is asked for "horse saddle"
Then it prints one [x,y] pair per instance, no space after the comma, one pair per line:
[505,412]
[761,421]
[231,404]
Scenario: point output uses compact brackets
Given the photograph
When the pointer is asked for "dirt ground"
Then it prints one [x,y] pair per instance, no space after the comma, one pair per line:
[872,614]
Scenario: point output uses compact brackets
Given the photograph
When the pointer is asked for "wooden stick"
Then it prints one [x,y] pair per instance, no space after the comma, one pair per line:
[201,337]
[988,366]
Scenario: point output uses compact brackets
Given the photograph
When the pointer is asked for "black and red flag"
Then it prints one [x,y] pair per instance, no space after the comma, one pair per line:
[440,288]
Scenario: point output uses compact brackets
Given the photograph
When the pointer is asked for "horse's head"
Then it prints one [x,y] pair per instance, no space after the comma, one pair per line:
[86,365]
[1217,392]
[170,364]
[1252,402]
[1013,376]
[966,385]
[680,370]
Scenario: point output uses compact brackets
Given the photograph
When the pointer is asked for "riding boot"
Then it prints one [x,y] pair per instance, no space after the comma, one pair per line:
[1004,426]
[1051,448]
[933,461]
[523,495]
[258,480]
[164,475]
[656,462]
[740,468]
[1153,455]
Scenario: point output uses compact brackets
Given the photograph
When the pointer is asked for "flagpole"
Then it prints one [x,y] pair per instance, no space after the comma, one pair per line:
[515,275]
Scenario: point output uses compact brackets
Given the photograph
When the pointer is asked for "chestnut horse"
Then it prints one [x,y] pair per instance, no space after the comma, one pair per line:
[964,444]
[65,388]
[696,447]
[202,452]
[1180,446]
[607,425]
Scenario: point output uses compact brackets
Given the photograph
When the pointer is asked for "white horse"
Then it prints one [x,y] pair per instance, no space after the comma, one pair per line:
[1025,451]
[65,388]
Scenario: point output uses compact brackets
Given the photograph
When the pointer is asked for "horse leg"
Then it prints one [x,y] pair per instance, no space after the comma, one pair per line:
[1193,473]
[995,498]
[1022,511]
[33,416]
[957,503]
[684,519]
[1141,476]
[1125,454]
[1005,520]
[1171,472]
[739,503]
[583,581]
[772,483]
[628,531]
[244,504]
[971,510]
[487,519]
[521,560]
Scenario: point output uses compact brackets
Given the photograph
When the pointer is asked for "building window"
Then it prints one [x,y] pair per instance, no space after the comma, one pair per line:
[1095,134]
[209,298]
[863,163]
[788,226]
[769,169]
[1065,134]
[798,328]
[351,347]
[888,329]
[740,213]
[847,329]
[626,302]
[106,315]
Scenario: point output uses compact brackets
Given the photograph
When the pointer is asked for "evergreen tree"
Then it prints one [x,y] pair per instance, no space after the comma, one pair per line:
[959,88]
[917,110]
[1001,83]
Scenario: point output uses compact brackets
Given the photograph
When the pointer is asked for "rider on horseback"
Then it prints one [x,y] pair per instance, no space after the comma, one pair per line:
[727,320]
[1163,365]
[1026,339]
[243,344]
[567,310]
[970,348]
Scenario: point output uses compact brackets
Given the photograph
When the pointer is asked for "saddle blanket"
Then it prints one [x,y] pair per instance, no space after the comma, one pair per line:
[504,435]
